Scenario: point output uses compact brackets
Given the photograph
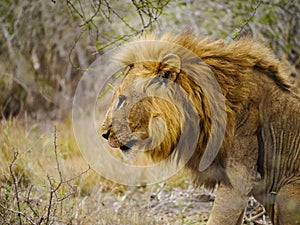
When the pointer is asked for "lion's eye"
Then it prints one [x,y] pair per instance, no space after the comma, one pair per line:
[121,101]
[167,74]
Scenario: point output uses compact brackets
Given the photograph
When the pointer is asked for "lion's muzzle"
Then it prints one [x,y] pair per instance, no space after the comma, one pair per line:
[113,144]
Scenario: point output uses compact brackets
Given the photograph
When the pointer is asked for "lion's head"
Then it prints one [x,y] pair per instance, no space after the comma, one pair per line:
[144,114]
[164,105]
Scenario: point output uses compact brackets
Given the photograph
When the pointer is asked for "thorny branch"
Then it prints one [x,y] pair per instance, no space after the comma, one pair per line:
[25,211]
[54,187]
[18,213]
[28,202]
[16,185]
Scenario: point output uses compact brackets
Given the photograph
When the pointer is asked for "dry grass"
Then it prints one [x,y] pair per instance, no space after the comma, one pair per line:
[45,180]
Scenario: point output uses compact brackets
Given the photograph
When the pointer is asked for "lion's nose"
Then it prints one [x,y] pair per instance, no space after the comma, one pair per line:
[106,135]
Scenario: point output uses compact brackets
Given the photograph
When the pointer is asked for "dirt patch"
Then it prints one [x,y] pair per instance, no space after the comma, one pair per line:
[164,204]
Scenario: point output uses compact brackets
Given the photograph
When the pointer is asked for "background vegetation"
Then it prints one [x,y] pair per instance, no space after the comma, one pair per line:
[45,46]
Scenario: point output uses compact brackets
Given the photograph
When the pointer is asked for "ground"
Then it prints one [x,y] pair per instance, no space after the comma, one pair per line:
[172,205]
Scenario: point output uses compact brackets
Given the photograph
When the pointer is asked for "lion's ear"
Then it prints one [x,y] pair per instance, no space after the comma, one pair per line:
[172,60]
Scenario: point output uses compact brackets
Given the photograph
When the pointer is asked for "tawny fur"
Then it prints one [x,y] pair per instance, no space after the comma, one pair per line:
[262,114]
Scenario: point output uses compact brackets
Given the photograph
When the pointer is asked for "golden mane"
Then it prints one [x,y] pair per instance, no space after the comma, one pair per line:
[244,53]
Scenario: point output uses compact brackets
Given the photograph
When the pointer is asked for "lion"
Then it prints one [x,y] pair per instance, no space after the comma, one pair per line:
[259,153]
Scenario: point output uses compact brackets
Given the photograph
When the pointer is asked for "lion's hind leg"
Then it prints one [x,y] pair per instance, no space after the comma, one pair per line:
[287,205]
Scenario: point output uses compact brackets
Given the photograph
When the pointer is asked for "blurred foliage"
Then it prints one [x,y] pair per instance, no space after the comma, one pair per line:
[276,22]
[46,45]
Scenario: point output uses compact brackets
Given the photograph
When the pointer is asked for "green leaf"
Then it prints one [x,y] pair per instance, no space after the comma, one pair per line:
[98,45]
[252,19]
[107,89]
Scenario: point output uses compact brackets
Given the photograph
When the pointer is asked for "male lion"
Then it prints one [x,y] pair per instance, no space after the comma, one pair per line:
[260,152]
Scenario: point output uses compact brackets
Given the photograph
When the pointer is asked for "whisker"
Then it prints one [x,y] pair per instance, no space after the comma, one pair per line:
[140,132]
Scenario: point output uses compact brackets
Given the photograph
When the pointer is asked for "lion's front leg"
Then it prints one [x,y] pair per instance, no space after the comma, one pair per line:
[230,202]
[228,208]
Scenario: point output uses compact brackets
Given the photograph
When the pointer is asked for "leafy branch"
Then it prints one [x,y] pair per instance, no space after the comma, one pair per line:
[246,22]
[146,11]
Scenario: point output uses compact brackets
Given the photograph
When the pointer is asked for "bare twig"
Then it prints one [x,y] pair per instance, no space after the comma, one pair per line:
[120,39]
[148,13]
[19,213]
[56,159]
[53,189]
[150,10]
[154,195]
[75,9]
[120,17]
[18,204]
[91,19]
[253,218]
[28,202]
[138,8]
[16,185]
[68,183]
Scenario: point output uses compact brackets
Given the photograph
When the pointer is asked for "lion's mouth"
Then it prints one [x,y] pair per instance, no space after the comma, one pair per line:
[112,145]
[123,147]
